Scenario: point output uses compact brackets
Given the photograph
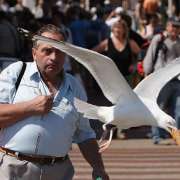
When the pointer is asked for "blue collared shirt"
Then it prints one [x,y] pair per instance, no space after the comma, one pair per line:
[50,134]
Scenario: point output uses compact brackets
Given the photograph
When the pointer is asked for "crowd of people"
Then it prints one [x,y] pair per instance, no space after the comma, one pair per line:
[128,35]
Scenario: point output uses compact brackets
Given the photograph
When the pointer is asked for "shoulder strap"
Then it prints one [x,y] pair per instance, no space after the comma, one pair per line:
[20,76]
[161,41]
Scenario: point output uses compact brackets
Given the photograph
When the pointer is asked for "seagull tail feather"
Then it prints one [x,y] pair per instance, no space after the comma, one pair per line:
[88,110]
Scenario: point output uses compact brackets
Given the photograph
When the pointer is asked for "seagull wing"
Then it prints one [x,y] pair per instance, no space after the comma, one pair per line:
[103,69]
[151,86]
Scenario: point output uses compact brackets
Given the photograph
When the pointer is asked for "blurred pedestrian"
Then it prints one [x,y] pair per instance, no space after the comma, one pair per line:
[119,47]
[10,43]
[165,48]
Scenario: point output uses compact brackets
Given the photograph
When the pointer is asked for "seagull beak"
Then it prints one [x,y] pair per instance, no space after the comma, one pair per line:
[175,133]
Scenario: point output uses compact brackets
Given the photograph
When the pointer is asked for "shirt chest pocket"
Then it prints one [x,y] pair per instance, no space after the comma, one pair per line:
[67,112]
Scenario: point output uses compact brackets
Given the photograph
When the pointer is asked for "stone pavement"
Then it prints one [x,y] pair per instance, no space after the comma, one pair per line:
[134,159]
[141,144]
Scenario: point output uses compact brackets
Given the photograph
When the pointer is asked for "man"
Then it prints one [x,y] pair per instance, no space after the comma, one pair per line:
[39,121]
[169,48]
[165,48]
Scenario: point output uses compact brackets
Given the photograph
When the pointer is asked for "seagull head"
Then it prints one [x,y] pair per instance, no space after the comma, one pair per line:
[169,124]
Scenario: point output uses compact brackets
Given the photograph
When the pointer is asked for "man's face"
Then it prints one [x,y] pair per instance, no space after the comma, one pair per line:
[172,30]
[49,60]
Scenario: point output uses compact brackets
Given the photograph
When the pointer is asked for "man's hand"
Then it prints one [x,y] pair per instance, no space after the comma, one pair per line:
[41,104]
[11,113]
[99,175]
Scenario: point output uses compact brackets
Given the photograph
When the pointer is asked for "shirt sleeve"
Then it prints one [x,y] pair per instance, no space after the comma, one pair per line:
[148,62]
[8,78]
[84,130]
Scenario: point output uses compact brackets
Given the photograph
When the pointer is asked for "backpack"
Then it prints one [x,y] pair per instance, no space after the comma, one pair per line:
[10,40]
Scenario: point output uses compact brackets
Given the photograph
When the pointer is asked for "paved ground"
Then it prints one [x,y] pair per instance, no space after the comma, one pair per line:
[134,160]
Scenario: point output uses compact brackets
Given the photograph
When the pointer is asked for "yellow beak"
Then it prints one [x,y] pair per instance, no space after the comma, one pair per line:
[175,133]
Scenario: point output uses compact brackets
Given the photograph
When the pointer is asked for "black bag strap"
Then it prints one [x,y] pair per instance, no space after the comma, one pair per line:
[20,76]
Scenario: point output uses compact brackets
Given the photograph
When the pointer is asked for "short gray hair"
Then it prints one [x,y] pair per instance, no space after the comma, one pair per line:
[52,29]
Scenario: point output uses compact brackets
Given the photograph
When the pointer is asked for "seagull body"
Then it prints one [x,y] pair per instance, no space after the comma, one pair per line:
[131,108]
[130,114]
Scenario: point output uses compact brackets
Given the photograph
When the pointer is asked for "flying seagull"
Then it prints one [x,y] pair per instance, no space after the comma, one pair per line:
[131,108]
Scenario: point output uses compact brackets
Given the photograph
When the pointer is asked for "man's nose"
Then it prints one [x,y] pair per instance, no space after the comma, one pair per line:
[53,55]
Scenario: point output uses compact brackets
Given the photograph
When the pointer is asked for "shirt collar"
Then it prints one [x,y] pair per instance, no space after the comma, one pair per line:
[66,84]
[33,69]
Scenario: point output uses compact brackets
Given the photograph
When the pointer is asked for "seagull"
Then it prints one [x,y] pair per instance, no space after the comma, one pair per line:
[130,107]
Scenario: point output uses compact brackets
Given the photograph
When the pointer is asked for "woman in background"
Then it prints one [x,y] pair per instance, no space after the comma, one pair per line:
[119,47]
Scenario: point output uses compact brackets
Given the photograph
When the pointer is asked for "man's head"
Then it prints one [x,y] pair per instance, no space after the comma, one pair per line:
[49,60]
[173,27]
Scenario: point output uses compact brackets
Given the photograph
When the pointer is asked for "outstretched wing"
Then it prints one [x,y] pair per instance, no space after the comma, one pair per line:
[103,69]
[151,86]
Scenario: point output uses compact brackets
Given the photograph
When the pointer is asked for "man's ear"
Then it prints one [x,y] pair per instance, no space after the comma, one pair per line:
[34,53]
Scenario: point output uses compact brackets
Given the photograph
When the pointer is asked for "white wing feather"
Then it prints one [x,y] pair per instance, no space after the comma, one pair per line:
[151,86]
[103,69]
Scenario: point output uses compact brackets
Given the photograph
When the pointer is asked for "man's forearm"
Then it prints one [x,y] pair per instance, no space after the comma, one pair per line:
[90,149]
[11,113]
